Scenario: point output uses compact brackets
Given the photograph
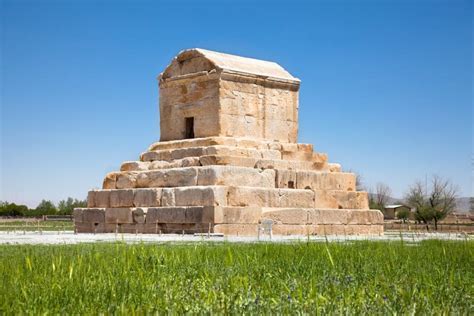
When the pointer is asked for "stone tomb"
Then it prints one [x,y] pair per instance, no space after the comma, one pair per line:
[227,160]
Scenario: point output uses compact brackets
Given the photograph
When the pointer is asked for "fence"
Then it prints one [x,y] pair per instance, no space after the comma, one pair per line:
[464,227]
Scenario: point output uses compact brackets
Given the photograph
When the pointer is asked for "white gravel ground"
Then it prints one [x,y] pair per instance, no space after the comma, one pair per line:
[56,238]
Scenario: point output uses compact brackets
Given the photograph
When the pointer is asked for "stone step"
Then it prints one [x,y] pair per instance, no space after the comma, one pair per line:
[322,216]
[191,176]
[315,180]
[220,150]
[229,141]
[228,220]
[226,160]
[252,230]
[168,215]
[227,196]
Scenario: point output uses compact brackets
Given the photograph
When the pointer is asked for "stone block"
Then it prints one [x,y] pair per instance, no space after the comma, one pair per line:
[170,177]
[110,181]
[134,166]
[168,197]
[230,175]
[296,155]
[328,216]
[334,167]
[126,180]
[118,215]
[305,148]
[93,215]
[291,229]
[121,198]
[90,228]
[286,215]
[365,217]
[248,196]
[351,199]
[139,214]
[91,198]
[159,164]
[166,215]
[323,199]
[77,215]
[236,229]
[101,198]
[325,180]
[201,196]
[227,160]
[234,215]
[147,197]
[286,179]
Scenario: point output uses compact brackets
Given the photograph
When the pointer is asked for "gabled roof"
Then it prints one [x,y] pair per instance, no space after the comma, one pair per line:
[228,63]
[396,206]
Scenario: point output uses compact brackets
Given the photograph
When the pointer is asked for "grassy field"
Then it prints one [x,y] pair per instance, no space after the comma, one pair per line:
[32,225]
[433,277]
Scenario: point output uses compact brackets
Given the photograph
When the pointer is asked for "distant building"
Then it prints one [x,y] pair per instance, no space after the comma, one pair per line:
[391,211]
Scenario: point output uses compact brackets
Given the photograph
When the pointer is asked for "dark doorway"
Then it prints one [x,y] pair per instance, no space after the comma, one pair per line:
[291,184]
[189,127]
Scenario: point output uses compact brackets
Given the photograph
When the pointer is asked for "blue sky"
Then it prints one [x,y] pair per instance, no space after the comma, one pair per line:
[386,85]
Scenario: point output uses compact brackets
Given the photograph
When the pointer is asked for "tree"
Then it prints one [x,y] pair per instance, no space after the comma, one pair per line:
[434,203]
[45,208]
[382,194]
[12,209]
[403,214]
[381,197]
[65,207]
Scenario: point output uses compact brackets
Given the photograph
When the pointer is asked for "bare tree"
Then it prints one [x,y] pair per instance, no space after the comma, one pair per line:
[382,194]
[442,198]
[434,203]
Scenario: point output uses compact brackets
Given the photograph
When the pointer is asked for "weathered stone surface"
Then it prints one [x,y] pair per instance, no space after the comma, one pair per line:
[110,181]
[325,180]
[248,196]
[286,179]
[237,229]
[168,197]
[147,197]
[118,215]
[126,180]
[77,215]
[228,160]
[201,196]
[165,215]
[93,215]
[139,215]
[121,198]
[236,215]
[286,215]
[334,167]
[235,176]
[365,217]
[134,166]
[167,178]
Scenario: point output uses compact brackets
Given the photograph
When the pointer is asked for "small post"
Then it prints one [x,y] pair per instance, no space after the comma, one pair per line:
[209,231]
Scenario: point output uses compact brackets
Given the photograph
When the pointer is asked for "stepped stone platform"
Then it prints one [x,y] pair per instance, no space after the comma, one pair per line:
[228,161]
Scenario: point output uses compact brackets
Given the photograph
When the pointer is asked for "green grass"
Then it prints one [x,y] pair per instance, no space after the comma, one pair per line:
[433,277]
[36,226]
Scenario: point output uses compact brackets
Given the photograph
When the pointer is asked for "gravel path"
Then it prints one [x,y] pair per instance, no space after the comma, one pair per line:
[56,238]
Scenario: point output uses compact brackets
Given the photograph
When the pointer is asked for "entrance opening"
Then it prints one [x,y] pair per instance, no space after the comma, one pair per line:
[291,184]
[189,127]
